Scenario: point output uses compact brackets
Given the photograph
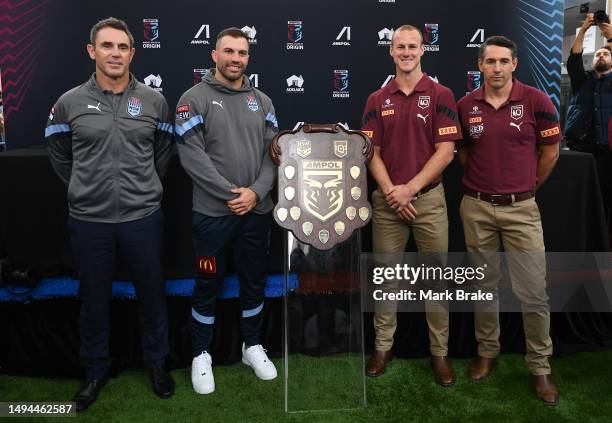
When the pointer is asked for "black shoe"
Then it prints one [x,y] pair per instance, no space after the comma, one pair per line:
[88,393]
[163,384]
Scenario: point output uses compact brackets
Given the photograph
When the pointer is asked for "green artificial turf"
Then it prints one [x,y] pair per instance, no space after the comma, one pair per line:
[406,393]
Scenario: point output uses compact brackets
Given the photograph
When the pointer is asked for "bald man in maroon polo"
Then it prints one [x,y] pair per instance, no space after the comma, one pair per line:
[413,124]
[511,145]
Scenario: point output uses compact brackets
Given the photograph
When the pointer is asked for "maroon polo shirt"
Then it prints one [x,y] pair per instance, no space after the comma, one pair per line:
[503,143]
[407,127]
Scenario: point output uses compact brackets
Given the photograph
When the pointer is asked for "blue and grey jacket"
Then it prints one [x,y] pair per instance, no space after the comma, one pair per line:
[111,150]
[223,135]
[590,109]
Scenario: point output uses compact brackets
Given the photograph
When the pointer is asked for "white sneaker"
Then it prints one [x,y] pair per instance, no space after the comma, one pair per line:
[202,377]
[255,357]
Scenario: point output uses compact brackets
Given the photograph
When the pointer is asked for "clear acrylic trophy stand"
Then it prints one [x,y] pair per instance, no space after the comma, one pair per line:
[323,338]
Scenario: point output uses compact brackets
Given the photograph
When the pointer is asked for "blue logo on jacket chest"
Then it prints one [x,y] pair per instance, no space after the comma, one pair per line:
[252,103]
[134,106]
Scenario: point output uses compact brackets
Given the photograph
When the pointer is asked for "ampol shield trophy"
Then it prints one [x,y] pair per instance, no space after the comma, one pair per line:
[322,203]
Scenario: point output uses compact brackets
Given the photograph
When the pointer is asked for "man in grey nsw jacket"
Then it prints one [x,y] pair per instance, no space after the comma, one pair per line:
[109,140]
[224,127]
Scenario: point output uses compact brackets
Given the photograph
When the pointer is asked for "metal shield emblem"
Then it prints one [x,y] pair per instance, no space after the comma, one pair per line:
[516,112]
[322,183]
[307,228]
[341,148]
[282,214]
[303,148]
[364,213]
[351,212]
[295,213]
[323,192]
[339,227]
[324,236]
[289,193]
[289,172]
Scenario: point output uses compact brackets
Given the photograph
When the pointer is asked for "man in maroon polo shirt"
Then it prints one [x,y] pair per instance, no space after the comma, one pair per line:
[510,147]
[413,125]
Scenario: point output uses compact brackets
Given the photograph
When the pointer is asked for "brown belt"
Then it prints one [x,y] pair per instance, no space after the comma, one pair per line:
[501,199]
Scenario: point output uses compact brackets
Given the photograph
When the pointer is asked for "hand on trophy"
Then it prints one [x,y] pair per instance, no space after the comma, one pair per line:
[246,201]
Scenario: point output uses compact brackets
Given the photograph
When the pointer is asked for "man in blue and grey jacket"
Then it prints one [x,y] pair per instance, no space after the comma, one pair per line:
[109,140]
[224,127]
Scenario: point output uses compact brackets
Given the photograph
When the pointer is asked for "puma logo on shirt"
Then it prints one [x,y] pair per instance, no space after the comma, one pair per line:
[516,126]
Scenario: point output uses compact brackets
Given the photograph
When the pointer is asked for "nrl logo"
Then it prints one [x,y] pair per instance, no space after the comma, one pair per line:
[516,112]
[322,182]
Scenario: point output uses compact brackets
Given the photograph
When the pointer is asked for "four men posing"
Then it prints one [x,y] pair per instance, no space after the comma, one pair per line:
[110,140]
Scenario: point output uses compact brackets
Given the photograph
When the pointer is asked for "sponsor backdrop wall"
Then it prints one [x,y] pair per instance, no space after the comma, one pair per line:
[317,60]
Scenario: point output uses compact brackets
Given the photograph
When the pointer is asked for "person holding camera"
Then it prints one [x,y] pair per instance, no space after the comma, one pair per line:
[590,110]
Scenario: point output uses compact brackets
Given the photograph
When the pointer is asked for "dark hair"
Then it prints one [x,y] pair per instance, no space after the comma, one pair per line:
[231,32]
[110,23]
[500,41]
[606,48]
[408,28]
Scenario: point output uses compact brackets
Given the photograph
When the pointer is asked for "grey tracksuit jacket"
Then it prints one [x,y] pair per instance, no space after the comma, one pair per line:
[223,135]
[111,150]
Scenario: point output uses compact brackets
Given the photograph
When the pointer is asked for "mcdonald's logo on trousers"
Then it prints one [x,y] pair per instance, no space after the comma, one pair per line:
[207,265]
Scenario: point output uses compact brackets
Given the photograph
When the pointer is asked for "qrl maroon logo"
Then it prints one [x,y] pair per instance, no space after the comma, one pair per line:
[424,101]
[516,112]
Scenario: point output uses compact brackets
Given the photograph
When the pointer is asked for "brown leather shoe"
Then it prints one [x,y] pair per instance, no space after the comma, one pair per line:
[443,371]
[481,368]
[378,362]
[545,388]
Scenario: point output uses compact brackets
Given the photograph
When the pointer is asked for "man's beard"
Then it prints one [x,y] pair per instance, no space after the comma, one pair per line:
[231,77]
[601,66]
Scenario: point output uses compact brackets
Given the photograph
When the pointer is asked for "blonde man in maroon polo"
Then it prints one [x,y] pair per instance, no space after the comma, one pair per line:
[511,145]
[413,124]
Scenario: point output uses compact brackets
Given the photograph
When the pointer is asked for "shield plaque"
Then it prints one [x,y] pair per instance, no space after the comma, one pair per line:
[323,168]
